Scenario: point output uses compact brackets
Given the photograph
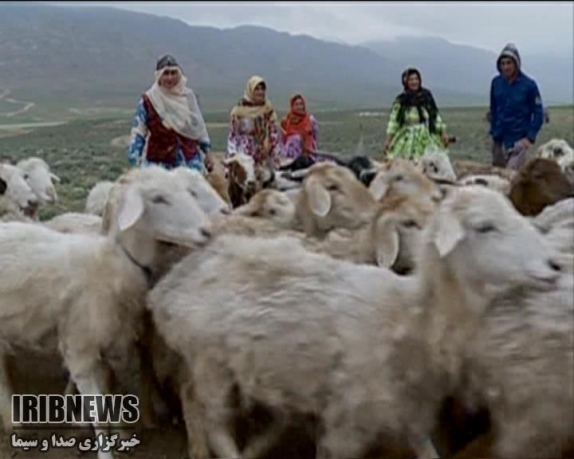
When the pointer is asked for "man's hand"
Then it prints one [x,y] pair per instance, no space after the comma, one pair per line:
[445,139]
[524,143]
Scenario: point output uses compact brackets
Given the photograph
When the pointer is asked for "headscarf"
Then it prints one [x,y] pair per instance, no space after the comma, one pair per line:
[177,107]
[246,107]
[263,114]
[295,123]
[422,98]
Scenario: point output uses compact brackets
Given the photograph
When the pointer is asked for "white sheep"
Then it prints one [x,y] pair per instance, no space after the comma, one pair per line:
[270,204]
[39,177]
[360,348]
[435,164]
[97,197]
[332,197]
[494,182]
[14,187]
[209,200]
[73,222]
[401,177]
[89,290]
[560,151]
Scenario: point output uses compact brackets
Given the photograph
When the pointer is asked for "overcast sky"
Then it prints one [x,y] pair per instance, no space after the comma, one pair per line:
[535,27]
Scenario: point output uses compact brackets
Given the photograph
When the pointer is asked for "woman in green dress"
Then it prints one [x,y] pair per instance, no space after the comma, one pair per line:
[414,122]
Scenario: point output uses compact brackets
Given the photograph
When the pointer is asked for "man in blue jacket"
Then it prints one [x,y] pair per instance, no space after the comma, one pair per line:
[516,112]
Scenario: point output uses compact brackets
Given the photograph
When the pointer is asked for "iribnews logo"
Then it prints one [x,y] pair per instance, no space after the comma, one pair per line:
[82,409]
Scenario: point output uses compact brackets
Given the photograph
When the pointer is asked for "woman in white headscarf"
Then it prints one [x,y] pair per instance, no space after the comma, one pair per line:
[168,128]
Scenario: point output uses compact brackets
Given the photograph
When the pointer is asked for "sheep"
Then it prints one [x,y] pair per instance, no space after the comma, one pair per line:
[101,281]
[555,149]
[463,168]
[332,197]
[72,222]
[401,177]
[39,178]
[436,165]
[556,222]
[16,189]
[562,153]
[270,204]
[539,183]
[390,240]
[494,182]
[217,179]
[242,180]
[97,197]
[310,351]
[210,201]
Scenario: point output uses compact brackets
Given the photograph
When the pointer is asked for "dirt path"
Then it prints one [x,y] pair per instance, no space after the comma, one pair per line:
[27,105]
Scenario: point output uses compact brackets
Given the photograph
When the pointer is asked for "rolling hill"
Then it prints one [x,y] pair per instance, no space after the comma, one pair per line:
[62,57]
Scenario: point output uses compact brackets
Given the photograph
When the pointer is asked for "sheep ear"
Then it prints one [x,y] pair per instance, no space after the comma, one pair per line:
[3,186]
[378,189]
[448,233]
[319,199]
[387,248]
[55,177]
[131,210]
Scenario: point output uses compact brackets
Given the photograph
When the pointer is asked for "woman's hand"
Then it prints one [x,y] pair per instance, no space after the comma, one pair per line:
[445,139]
[209,161]
[387,144]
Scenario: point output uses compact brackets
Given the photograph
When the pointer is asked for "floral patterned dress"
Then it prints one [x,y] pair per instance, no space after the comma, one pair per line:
[411,139]
[245,137]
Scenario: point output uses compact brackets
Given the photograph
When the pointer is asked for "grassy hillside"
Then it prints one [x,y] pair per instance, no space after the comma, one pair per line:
[85,151]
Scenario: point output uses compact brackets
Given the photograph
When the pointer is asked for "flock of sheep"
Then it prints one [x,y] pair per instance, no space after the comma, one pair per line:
[351,298]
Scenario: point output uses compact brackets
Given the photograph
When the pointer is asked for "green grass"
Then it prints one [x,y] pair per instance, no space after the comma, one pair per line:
[81,153]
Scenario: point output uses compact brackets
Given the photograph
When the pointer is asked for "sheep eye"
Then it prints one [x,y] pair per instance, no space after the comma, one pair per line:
[485,228]
[193,193]
[333,187]
[411,224]
[398,178]
[159,200]
[26,176]
[272,212]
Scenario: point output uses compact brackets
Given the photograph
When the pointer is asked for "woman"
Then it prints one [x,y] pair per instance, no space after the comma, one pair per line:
[414,122]
[168,128]
[253,128]
[299,130]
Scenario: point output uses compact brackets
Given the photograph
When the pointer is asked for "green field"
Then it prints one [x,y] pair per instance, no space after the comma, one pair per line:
[81,152]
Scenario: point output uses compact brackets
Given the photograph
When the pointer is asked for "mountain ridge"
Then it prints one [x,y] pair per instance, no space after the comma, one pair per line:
[71,56]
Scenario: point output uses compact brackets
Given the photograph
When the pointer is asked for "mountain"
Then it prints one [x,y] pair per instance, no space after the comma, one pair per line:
[105,56]
[466,68]
[98,57]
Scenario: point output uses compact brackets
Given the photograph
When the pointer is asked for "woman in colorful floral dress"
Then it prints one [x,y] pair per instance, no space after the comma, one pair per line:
[414,122]
[168,128]
[254,128]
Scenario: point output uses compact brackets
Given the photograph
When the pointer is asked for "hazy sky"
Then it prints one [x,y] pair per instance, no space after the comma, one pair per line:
[535,27]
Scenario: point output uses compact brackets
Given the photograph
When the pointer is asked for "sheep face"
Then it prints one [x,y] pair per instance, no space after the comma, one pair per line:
[539,183]
[16,188]
[555,149]
[271,205]
[336,198]
[397,232]
[156,207]
[399,176]
[484,241]
[436,165]
[198,186]
[242,179]
[39,179]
